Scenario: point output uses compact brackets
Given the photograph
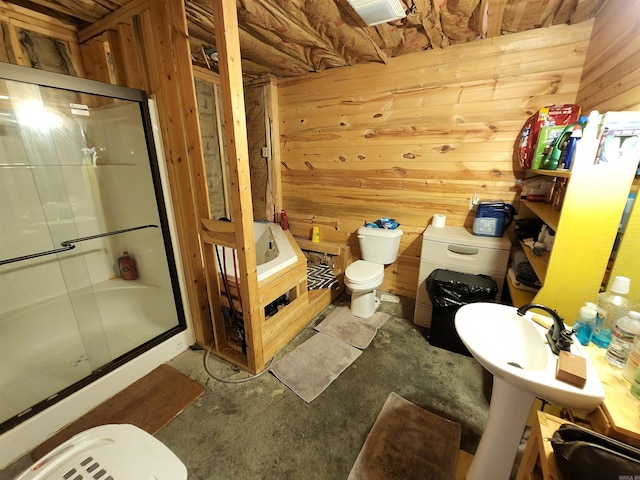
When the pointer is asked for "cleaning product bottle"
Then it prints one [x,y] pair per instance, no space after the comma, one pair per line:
[612,305]
[284,223]
[585,323]
[622,339]
[587,148]
[127,267]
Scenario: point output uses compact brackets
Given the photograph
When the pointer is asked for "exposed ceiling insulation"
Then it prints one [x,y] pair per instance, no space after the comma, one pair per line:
[291,37]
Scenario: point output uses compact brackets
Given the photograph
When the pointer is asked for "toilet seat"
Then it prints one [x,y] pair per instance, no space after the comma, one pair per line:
[362,275]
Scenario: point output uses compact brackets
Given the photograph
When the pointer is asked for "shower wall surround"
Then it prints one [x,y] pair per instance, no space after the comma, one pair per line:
[78,175]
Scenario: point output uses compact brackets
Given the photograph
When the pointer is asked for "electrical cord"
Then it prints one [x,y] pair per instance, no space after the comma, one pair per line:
[205,361]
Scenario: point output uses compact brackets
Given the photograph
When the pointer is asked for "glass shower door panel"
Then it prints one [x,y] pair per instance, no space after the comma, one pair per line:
[76,177]
[41,349]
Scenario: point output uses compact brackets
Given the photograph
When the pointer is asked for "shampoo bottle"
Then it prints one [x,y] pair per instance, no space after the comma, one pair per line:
[127,267]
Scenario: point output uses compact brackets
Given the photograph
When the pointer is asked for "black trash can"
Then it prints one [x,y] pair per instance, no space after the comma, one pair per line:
[448,291]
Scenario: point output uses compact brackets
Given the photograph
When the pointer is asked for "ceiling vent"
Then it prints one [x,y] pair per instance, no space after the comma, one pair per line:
[374,12]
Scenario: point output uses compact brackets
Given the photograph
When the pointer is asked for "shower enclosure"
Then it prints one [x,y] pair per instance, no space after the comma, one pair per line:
[79,186]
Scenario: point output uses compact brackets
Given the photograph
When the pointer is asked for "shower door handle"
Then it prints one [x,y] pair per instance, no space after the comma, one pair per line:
[70,244]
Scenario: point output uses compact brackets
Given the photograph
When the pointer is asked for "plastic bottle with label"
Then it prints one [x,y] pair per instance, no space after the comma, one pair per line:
[633,361]
[585,323]
[127,267]
[612,305]
[622,339]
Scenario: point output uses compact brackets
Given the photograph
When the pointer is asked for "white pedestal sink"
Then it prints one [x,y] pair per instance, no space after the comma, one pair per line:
[515,350]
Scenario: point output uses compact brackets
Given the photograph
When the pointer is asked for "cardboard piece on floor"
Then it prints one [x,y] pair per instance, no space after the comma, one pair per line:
[149,403]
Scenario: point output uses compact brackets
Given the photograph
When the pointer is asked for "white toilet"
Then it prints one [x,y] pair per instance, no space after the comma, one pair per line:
[378,247]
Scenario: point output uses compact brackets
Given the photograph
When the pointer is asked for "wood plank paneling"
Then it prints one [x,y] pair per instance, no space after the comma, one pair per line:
[418,136]
[611,76]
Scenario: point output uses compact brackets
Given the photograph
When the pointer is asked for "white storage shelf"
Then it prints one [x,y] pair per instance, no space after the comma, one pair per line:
[457,249]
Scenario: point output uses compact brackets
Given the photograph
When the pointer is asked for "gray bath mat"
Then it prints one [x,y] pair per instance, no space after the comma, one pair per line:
[312,366]
[408,443]
[351,329]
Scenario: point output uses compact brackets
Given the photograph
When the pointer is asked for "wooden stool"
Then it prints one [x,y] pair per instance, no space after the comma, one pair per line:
[539,450]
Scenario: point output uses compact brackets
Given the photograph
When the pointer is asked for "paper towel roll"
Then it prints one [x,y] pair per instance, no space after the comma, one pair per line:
[439,220]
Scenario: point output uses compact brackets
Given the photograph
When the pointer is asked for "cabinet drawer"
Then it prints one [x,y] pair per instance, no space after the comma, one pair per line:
[463,258]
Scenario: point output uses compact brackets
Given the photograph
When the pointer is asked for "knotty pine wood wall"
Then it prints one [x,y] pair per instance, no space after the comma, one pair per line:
[418,136]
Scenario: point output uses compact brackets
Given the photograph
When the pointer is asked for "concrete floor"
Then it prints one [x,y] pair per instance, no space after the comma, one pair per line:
[262,430]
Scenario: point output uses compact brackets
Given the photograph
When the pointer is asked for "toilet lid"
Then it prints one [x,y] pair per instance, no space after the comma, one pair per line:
[362,271]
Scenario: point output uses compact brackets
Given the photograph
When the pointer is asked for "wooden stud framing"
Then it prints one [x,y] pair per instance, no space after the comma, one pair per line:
[226,20]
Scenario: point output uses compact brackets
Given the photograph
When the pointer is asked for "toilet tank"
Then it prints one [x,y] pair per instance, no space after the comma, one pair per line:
[379,245]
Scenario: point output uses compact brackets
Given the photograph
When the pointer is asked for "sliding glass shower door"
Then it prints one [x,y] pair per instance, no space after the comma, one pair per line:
[87,275]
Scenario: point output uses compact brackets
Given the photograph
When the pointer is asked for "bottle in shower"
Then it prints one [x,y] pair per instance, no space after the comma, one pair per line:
[127,267]
[612,306]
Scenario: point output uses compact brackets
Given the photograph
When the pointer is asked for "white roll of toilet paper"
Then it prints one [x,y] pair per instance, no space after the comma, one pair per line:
[439,220]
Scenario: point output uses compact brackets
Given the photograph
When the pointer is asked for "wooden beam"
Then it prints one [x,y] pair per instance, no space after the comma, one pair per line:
[273,138]
[123,14]
[228,44]
[494,14]
[218,232]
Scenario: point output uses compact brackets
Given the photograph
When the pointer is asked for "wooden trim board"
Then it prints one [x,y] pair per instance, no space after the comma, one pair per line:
[149,403]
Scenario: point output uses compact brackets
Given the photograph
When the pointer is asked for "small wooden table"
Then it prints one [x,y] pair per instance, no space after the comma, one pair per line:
[619,415]
[539,449]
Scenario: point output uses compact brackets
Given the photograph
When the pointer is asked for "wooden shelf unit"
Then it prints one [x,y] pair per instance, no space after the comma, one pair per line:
[585,231]
[519,297]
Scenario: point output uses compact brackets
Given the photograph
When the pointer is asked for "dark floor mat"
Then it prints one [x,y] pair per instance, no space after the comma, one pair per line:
[407,443]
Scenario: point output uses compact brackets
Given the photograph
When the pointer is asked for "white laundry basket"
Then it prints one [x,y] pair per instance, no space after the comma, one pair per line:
[108,452]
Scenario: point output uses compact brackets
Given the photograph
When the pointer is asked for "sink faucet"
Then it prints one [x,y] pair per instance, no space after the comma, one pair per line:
[558,337]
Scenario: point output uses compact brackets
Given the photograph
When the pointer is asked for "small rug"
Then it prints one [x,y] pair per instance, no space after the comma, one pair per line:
[149,403]
[351,329]
[408,443]
[312,366]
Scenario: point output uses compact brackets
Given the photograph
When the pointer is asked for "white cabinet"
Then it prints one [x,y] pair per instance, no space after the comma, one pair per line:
[457,249]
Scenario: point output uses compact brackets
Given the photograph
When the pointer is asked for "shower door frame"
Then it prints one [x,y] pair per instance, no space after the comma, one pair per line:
[49,415]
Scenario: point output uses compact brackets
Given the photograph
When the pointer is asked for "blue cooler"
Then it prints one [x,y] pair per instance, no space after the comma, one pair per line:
[492,217]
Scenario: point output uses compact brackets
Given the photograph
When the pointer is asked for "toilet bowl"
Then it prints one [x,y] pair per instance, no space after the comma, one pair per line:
[362,278]
[378,247]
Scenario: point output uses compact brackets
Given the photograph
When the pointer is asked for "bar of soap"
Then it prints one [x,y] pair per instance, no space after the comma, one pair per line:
[571,369]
